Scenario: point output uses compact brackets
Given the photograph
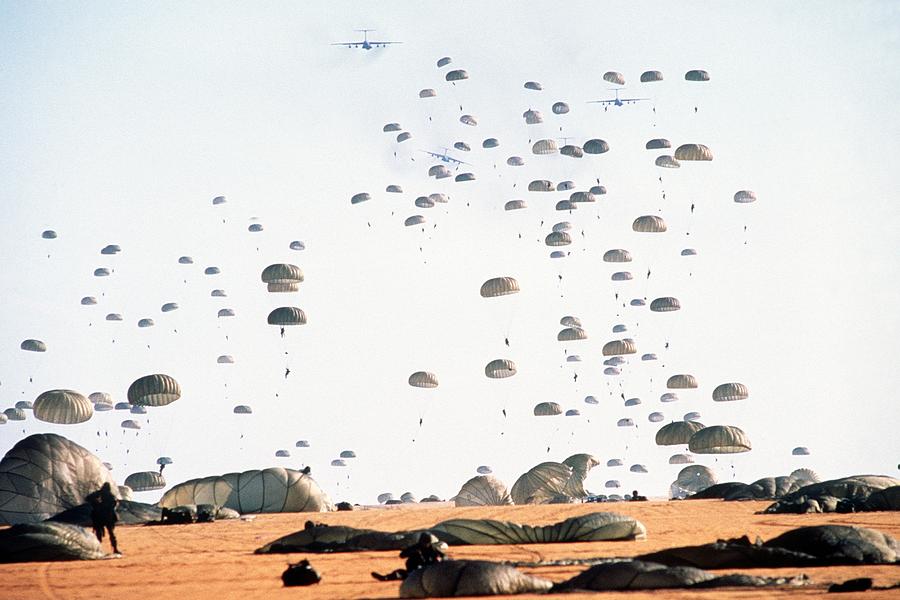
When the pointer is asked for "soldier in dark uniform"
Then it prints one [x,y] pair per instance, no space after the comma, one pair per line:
[103,513]
[426,551]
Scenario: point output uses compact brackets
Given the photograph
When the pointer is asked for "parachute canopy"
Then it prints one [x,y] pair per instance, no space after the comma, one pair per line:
[33,346]
[145,481]
[154,390]
[65,407]
[677,433]
[719,439]
[287,316]
[728,392]
[499,286]
[500,368]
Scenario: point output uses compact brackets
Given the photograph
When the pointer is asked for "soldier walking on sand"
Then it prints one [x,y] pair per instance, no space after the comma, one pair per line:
[103,513]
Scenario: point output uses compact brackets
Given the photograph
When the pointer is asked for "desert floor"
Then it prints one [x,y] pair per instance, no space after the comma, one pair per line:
[216,560]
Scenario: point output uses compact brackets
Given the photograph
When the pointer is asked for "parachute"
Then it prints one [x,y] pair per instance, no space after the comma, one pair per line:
[138,410]
[427,93]
[211,271]
[101,272]
[650,76]
[360,197]
[393,189]
[515,205]
[638,302]
[581,464]
[619,328]
[102,397]
[462,146]
[444,61]
[218,294]
[558,238]
[500,369]
[571,151]
[66,407]
[225,359]
[282,273]
[282,454]
[667,162]
[638,469]
[14,414]
[338,462]
[218,200]
[558,254]
[268,491]
[242,409]
[499,286]
[45,474]
[490,143]
[402,137]
[681,459]
[744,197]
[617,255]
[719,439]
[225,312]
[423,379]
[649,224]
[533,117]
[185,260]
[24,405]
[533,85]
[633,402]
[544,147]
[692,479]
[154,390]
[658,144]
[169,307]
[689,252]
[414,220]
[547,409]
[800,451]
[693,152]
[626,422]
[302,444]
[648,356]
[571,334]
[591,400]
[33,346]
[573,412]
[130,424]
[619,347]
[348,454]
[621,276]
[483,490]
[576,197]
[728,392]
[113,317]
[515,161]
[596,146]
[145,481]
[456,75]
[614,462]
[614,77]
[287,316]
[424,202]
[696,75]
[88,301]
[464,177]
[541,483]
[598,190]
[655,417]
[682,381]
[677,433]
[665,304]
[560,108]
[391,127]
[691,416]
[48,234]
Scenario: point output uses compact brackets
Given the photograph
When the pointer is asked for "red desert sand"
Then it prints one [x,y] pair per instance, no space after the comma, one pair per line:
[216,560]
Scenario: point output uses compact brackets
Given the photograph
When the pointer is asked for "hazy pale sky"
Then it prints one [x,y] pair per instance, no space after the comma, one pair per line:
[121,123]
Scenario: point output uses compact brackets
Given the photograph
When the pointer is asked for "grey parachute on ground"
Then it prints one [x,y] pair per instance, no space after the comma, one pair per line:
[48,541]
[66,407]
[483,490]
[677,433]
[719,439]
[692,479]
[270,490]
[44,474]
[470,578]
[154,390]
[145,481]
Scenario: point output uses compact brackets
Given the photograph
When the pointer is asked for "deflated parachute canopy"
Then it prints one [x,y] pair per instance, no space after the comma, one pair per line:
[65,407]
[44,474]
[483,490]
[268,491]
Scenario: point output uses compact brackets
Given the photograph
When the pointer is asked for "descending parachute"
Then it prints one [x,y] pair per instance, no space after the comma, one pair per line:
[456,75]
[427,93]
[515,205]
[360,197]
[681,459]
[617,255]
[33,346]
[696,75]
[547,409]
[719,439]
[800,451]
[48,234]
[500,369]
[650,76]
[282,277]
[682,381]
[728,392]
[614,77]
[145,481]
[667,162]
[560,108]
[14,414]
[677,433]
[619,347]
[533,117]
[649,224]
[571,334]
[444,61]
[130,424]
[242,409]
[63,407]
[287,316]
[423,379]
[693,152]
[658,144]
[533,85]
[596,146]
[154,390]
[146,323]
[282,454]
[692,479]
[268,491]
[348,454]
[665,304]
[744,196]
[45,474]
[544,147]
[499,286]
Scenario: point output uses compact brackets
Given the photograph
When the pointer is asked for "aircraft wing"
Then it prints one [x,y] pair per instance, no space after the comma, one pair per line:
[632,99]
[601,101]
[383,43]
[348,44]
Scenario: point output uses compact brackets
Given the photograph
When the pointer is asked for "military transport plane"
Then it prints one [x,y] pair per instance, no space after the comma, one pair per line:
[365,43]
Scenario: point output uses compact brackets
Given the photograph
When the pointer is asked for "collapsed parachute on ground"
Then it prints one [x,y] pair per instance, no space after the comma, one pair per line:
[45,474]
[267,491]
[483,490]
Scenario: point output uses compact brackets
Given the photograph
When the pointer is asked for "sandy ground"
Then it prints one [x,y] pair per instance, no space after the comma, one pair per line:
[216,560]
